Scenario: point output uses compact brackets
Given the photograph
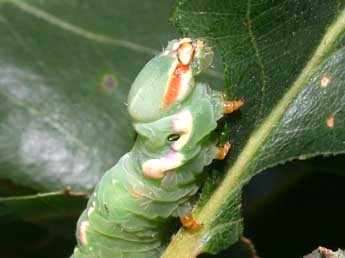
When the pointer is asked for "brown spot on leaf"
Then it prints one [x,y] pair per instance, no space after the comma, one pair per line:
[109,83]
[330,122]
[324,81]
[247,23]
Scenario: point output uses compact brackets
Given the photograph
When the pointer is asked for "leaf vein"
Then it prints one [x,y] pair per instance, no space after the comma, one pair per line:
[257,55]
[238,173]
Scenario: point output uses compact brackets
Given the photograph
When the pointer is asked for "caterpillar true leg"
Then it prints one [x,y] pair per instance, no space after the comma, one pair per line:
[189,222]
[232,105]
[223,151]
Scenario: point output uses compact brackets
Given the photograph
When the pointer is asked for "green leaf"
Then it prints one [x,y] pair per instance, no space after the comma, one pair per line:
[323,252]
[65,71]
[286,59]
[42,207]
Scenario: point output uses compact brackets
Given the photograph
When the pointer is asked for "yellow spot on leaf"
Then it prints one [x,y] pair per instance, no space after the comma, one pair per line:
[330,122]
[324,81]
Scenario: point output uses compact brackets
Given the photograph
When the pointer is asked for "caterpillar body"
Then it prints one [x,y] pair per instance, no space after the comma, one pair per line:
[157,180]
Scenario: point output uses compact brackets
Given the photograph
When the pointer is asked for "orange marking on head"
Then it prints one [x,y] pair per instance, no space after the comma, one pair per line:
[175,84]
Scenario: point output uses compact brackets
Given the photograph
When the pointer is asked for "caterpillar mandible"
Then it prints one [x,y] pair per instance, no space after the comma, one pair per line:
[157,180]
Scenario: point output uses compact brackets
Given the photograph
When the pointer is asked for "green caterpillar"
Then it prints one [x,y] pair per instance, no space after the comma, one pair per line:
[157,180]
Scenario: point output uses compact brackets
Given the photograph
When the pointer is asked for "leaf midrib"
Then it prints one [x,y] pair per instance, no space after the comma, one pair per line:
[56,21]
[188,244]
[260,135]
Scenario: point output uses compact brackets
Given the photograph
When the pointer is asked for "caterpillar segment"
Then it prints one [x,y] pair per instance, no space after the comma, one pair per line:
[128,213]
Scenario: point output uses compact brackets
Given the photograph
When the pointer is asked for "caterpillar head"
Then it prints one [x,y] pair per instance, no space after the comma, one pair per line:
[168,79]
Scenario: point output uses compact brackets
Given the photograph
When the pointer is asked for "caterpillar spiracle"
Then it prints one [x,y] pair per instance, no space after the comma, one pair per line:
[174,117]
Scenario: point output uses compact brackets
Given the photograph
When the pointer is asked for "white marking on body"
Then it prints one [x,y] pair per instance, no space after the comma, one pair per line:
[185,84]
[186,53]
[155,168]
[184,40]
[82,232]
[90,210]
[175,46]
[183,124]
